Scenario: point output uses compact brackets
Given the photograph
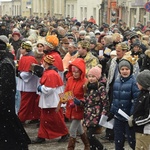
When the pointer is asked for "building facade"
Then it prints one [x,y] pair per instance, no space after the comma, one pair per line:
[133,11]
[41,8]
[110,11]
[11,8]
[82,9]
[26,8]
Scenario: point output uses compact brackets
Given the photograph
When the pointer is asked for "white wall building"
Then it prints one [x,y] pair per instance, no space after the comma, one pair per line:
[82,9]
[6,8]
[87,8]
[11,8]
[40,7]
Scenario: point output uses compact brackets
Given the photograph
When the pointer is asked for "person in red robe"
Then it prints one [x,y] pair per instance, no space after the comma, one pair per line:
[52,123]
[50,48]
[27,85]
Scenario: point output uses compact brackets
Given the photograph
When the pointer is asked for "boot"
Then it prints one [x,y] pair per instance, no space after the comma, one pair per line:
[71,143]
[85,141]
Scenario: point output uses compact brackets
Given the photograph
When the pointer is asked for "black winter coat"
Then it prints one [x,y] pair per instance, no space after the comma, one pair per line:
[141,111]
[12,133]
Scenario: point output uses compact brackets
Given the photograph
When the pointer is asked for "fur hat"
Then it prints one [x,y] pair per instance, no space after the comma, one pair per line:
[27,45]
[143,79]
[49,59]
[96,71]
[51,41]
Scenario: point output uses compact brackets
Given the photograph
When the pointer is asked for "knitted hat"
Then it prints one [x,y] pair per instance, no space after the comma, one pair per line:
[2,46]
[49,59]
[93,41]
[82,32]
[143,79]
[27,45]
[51,41]
[126,63]
[16,33]
[96,71]
[137,42]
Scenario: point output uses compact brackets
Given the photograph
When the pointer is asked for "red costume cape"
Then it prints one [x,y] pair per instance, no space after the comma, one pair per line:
[25,63]
[51,78]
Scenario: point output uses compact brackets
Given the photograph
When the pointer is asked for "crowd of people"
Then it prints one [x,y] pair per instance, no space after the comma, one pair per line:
[106,68]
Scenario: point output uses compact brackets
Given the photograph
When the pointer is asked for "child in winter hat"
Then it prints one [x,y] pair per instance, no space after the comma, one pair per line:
[125,63]
[141,112]
[124,95]
[96,71]
[144,79]
[96,103]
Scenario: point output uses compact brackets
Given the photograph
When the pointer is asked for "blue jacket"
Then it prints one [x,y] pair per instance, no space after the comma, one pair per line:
[125,92]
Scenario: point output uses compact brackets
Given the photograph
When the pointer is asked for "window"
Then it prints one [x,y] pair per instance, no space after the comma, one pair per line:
[94,13]
[85,12]
[72,10]
[81,10]
[68,9]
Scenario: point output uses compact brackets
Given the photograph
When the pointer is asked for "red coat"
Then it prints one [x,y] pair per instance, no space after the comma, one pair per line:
[76,86]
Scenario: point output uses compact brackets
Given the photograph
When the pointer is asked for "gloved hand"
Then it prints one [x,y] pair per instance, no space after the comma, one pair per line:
[110,116]
[39,88]
[130,121]
[18,74]
[77,101]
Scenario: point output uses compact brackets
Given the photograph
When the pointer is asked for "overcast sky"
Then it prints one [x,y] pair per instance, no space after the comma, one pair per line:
[4,0]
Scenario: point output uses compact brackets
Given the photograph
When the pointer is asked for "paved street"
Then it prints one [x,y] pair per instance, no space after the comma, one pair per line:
[54,145]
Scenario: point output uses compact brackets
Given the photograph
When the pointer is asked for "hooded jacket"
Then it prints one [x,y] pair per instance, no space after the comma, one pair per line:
[76,86]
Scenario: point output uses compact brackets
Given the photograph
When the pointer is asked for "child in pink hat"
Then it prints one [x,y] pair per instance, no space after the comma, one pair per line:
[96,103]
